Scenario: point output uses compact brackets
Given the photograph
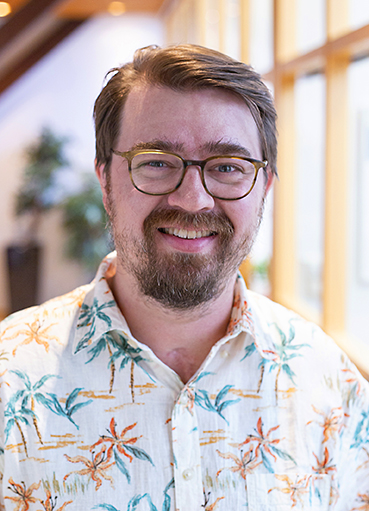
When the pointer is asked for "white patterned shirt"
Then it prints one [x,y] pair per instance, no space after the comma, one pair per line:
[276,417]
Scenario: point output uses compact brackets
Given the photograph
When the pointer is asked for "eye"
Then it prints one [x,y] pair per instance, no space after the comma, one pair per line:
[226,167]
[153,164]
[157,163]
[153,161]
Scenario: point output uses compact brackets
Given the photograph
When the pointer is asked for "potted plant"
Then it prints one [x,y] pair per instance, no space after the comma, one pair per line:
[36,196]
[84,221]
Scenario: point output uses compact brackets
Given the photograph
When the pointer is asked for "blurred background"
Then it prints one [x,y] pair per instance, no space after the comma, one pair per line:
[312,253]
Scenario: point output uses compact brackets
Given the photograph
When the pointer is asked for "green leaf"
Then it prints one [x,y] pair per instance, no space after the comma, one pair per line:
[43,380]
[23,377]
[72,397]
[121,466]
[77,406]
[138,453]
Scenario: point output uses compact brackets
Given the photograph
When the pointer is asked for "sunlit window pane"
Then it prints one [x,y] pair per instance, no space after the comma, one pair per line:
[212,18]
[358,219]
[261,35]
[232,23]
[311,24]
[310,121]
[358,13]
[261,254]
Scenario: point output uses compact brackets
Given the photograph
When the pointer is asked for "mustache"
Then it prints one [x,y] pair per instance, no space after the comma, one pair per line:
[216,222]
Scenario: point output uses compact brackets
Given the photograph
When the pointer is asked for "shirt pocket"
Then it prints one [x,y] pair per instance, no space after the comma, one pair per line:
[283,492]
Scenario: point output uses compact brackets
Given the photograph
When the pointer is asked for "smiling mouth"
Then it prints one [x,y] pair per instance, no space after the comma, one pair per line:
[186,234]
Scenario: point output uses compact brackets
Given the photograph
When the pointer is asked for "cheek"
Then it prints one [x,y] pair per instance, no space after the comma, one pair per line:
[245,215]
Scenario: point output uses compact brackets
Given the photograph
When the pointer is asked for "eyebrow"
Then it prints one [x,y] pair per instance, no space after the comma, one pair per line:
[213,148]
[221,147]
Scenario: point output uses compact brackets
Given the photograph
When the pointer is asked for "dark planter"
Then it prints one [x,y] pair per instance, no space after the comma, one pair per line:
[23,266]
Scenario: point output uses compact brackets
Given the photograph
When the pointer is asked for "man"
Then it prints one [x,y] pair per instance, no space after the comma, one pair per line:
[165,384]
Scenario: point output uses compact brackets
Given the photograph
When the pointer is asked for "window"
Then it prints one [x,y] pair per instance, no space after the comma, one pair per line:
[358,218]
[309,222]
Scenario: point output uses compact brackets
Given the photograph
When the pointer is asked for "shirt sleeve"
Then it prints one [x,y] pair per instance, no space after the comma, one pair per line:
[352,490]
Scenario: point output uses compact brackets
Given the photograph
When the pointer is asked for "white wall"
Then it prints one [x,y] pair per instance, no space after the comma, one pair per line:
[59,92]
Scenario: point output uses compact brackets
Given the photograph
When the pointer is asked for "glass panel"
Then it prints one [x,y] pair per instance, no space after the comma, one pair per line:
[358,13]
[311,24]
[358,217]
[261,254]
[212,24]
[232,36]
[262,251]
[192,28]
[310,139]
[261,35]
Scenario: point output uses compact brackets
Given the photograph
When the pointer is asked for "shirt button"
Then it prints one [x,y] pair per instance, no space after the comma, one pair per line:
[188,474]
[224,354]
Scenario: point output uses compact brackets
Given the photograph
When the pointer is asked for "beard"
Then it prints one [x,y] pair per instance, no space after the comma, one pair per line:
[182,281]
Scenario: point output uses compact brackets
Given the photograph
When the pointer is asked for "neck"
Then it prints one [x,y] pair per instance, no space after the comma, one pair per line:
[181,339]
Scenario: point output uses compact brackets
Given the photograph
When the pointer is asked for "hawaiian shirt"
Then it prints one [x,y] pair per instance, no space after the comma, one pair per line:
[276,418]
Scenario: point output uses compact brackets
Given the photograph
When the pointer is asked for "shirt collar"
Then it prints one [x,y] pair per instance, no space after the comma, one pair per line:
[99,313]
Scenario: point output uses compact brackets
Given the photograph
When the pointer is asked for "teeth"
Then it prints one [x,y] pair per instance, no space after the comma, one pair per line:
[183,233]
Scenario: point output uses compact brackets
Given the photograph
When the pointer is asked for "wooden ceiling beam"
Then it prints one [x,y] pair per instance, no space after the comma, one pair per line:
[23,18]
[27,61]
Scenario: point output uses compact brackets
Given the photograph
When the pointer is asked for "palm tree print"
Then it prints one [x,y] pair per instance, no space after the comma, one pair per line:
[265,446]
[104,343]
[128,353]
[89,315]
[282,354]
[121,445]
[219,405]
[23,496]
[250,349]
[69,408]
[30,394]
[15,418]
[137,499]
[95,468]
[201,398]
[122,349]
[361,436]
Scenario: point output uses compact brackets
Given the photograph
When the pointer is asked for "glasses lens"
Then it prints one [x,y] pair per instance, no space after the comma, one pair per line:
[156,172]
[229,178]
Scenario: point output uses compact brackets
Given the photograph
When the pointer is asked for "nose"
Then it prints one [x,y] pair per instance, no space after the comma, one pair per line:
[191,195]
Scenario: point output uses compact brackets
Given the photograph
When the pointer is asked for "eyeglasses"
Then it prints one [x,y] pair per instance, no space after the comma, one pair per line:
[223,177]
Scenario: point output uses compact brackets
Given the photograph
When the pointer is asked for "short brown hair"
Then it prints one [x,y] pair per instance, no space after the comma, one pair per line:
[183,68]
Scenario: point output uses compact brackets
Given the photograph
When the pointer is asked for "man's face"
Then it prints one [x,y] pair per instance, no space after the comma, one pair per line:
[183,248]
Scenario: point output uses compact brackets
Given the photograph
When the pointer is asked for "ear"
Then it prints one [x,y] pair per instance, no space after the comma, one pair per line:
[269,182]
[101,176]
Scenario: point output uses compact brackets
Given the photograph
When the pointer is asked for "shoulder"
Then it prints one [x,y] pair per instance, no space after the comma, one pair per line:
[315,355]
[57,313]
[275,320]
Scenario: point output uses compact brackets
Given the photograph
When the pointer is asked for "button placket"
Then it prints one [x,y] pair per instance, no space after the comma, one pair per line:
[186,450]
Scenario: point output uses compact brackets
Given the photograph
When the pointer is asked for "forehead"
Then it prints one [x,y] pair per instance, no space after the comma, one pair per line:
[189,119]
